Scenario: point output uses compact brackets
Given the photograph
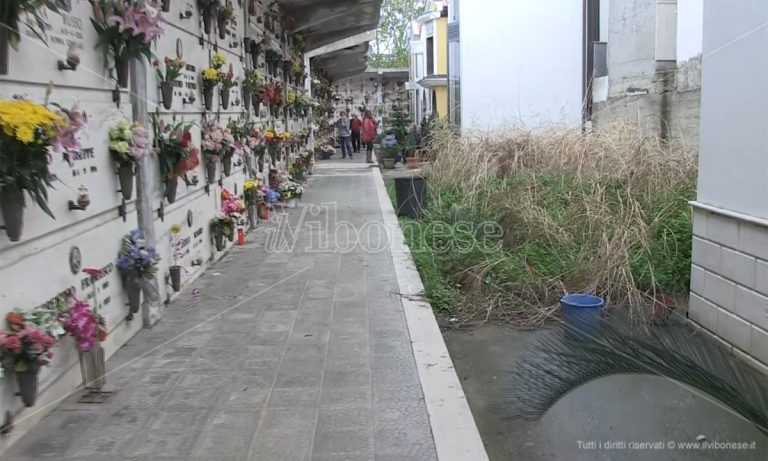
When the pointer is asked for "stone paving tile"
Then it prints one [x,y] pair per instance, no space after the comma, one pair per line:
[317,368]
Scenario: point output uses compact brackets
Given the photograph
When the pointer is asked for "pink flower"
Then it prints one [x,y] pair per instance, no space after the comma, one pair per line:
[126,22]
[12,343]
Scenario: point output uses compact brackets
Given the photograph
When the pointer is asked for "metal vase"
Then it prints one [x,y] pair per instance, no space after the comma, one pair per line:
[166,89]
[5,48]
[218,238]
[208,98]
[132,287]
[207,20]
[28,385]
[226,165]
[224,93]
[175,272]
[171,184]
[252,216]
[125,176]
[12,207]
[256,105]
[166,5]
[122,66]
[93,368]
[253,7]
[247,102]
[210,170]
[222,23]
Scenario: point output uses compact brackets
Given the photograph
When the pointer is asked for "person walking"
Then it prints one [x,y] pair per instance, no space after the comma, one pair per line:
[368,135]
[344,135]
[355,125]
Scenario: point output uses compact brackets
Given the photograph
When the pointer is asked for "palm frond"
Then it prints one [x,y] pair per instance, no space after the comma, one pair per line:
[560,363]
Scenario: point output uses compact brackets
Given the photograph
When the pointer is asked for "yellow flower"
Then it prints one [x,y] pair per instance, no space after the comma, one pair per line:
[210,73]
[175,228]
[218,60]
[250,184]
[21,119]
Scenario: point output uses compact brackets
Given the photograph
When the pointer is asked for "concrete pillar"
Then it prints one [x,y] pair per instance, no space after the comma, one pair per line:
[146,181]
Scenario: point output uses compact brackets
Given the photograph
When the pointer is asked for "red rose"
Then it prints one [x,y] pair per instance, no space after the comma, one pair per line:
[185,139]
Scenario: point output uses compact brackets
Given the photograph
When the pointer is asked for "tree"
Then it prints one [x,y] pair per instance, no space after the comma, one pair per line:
[390,49]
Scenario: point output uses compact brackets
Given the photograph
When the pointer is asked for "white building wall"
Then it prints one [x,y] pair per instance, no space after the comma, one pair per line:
[729,280]
[520,63]
[690,24]
[36,269]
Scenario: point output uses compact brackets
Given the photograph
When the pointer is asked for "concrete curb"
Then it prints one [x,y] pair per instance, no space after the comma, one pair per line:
[453,427]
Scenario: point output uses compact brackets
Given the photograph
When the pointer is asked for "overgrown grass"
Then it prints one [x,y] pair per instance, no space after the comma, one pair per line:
[605,212]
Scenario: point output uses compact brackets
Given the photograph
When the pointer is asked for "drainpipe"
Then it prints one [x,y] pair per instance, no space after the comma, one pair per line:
[145,186]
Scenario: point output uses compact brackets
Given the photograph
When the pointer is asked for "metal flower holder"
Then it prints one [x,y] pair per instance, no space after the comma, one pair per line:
[93,366]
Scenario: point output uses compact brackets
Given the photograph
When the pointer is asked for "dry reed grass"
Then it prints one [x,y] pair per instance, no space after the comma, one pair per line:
[602,198]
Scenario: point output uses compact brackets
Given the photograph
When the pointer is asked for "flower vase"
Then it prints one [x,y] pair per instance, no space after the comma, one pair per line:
[254,50]
[208,98]
[247,102]
[219,240]
[263,211]
[224,94]
[175,273]
[268,22]
[222,23]
[253,7]
[122,66]
[12,207]
[93,368]
[210,170]
[5,48]
[28,380]
[226,164]
[231,236]
[166,6]
[166,89]
[132,286]
[171,184]
[125,176]
[207,21]
[256,105]
[252,214]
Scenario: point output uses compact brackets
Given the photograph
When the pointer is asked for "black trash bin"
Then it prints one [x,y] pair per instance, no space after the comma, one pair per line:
[411,194]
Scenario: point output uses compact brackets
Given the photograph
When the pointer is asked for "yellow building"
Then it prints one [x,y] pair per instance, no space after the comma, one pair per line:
[429,62]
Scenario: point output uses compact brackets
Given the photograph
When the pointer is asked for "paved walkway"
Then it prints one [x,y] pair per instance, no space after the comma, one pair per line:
[284,355]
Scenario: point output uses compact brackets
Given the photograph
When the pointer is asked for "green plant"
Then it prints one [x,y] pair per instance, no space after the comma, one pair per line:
[126,29]
[173,68]
[13,10]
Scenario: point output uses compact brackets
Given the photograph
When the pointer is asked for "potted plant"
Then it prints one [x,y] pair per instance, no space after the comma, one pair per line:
[209,9]
[137,260]
[390,153]
[24,348]
[177,251]
[213,148]
[127,144]
[227,81]
[224,14]
[168,78]
[251,194]
[87,327]
[291,192]
[177,154]
[251,86]
[210,78]
[126,30]
[222,226]
[27,130]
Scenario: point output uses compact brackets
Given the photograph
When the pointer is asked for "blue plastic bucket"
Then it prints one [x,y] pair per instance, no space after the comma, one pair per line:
[582,312]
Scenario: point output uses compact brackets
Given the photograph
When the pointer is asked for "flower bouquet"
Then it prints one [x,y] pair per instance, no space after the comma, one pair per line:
[24,348]
[227,81]
[291,192]
[222,226]
[273,141]
[126,30]
[272,94]
[85,325]
[137,260]
[177,154]
[26,131]
[225,14]
[173,69]
[251,86]
[213,148]
[210,78]
[127,144]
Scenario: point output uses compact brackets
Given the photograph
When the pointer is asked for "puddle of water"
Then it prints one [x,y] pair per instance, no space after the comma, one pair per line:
[627,408]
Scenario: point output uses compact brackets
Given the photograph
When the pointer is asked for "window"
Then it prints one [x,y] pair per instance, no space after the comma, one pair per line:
[431,56]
